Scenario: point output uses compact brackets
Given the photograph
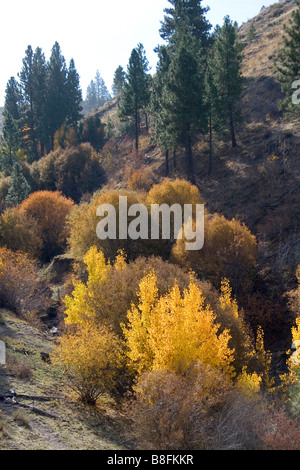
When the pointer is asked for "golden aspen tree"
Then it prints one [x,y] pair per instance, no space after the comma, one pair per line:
[174,331]
[80,306]
[264,359]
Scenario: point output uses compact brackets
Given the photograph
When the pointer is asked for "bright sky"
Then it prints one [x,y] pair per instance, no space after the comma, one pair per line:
[97,34]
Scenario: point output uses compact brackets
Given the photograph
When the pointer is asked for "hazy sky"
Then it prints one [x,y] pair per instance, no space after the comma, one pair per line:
[98,35]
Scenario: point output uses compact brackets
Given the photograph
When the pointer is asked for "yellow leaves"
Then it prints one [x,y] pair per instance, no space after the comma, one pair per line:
[296,331]
[249,383]
[226,298]
[90,358]
[79,306]
[96,265]
[174,331]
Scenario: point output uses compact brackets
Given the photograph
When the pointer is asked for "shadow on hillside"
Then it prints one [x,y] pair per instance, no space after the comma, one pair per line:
[260,99]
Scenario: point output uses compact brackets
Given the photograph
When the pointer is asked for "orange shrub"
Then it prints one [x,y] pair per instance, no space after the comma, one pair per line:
[49,210]
[90,358]
[140,179]
[83,224]
[172,412]
[19,233]
[21,289]
[174,192]
[230,251]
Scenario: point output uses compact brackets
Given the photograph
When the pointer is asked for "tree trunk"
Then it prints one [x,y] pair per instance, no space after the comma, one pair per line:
[167,162]
[136,130]
[210,147]
[233,139]
[174,160]
[190,174]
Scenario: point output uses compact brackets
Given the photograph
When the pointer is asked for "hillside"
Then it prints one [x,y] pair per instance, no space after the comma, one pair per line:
[258,182]
[69,426]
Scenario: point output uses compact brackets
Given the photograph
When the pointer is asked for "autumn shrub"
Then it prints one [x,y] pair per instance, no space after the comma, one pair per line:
[201,410]
[230,251]
[49,211]
[83,225]
[74,170]
[19,367]
[19,232]
[279,431]
[178,191]
[91,359]
[78,171]
[140,179]
[21,288]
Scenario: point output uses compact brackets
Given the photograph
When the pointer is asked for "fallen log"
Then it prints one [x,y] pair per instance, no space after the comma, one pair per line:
[30,397]
[38,410]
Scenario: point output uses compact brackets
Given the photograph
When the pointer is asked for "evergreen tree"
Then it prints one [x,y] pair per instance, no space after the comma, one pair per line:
[13,98]
[97,93]
[102,92]
[186,95]
[163,132]
[74,96]
[136,92]
[28,118]
[91,96]
[216,118]
[118,81]
[19,189]
[227,53]
[57,91]
[10,142]
[193,11]
[289,62]
[39,73]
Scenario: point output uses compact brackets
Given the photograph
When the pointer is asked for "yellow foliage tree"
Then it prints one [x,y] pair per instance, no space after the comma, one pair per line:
[230,251]
[90,359]
[79,307]
[174,331]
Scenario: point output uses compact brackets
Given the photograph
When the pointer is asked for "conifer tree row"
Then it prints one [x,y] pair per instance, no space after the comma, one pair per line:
[198,81]
[47,95]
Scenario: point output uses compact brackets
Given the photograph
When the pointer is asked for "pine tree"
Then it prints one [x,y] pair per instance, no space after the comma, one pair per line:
[13,98]
[216,118]
[10,142]
[27,89]
[101,90]
[289,62]
[163,132]
[39,72]
[186,95]
[97,93]
[136,92]
[227,53]
[91,96]
[19,189]
[195,14]
[118,81]
[74,96]
[57,91]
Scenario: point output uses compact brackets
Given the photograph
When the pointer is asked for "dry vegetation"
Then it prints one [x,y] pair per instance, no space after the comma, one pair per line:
[257,184]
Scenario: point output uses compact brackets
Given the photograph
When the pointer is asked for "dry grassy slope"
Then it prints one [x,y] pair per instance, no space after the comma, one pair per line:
[76,428]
